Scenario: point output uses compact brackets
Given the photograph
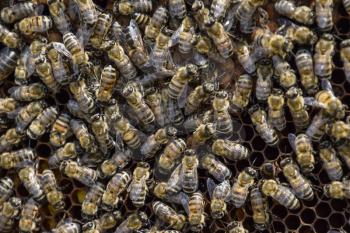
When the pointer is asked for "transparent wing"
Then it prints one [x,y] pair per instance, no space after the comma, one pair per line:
[291,139]
[181,100]
[211,185]
[61,49]
[326,85]
[135,34]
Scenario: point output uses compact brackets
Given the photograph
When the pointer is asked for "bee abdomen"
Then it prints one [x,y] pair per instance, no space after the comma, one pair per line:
[141,19]
[286,198]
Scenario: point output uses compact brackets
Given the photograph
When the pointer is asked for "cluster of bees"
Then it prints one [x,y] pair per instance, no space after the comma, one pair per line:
[140,123]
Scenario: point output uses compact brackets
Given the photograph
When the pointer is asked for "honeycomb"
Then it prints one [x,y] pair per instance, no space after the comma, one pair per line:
[319,215]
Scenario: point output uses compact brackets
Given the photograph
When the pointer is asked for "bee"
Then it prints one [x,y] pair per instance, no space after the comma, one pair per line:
[8,38]
[317,128]
[339,131]
[44,70]
[81,132]
[171,153]
[304,151]
[17,159]
[160,57]
[324,14]
[66,226]
[30,217]
[141,19]
[9,211]
[219,195]
[9,139]
[221,39]
[122,61]
[127,7]
[174,114]
[171,189]
[83,96]
[102,25]
[189,173]
[53,195]
[193,121]
[6,189]
[108,80]
[76,49]
[118,161]
[215,167]
[92,201]
[246,58]
[229,149]
[87,10]
[222,118]
[284,73]
[276,115]
[241,95]
[218,8]
[31,182]
[138,188]
[8,62]
[128,132]
[25,67]
[135,99]
[60,130]
[302,187]
[300,14]
[35,24]
[31,92]
[8,105]
[18,11]
[114,188]
[264,81]
[186,35]
[27,114]
[331,164]
[158,20]
[305,67]
[345,56]
[133,223]
[246,9]
[203,133]
[84,175]
[283,195]
[196,216]
[325,49]
[259,205]
[241,186]
[177,9]
[297,108]
[57,10]
[154,142]
[99,128]
[346,5]
[180,79]
[43,121]
[337,189]
[168,215]
[301,35]
[200,13]
[259,119]
[102,224]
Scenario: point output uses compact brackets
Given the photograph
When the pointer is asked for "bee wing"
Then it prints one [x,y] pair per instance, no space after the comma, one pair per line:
[175,37]
[181,100]
[211,185]
[61,49]
[39,9]
[311,101]
[119,143]
[13,89]
[326,85]
[291,139]
[14,113]
[135,34]
[182,199]
[229,19]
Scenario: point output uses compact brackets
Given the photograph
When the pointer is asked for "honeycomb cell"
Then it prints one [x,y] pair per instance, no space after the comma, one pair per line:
[271,153]
[308,216]
[306,229]
[62,96]
[242,164]
[284,146]
[258,144]
[78,196]
[338,205]
[336,220]
[321,225]
[292,222]
[280,211]
[342,25]
[246,133]
[323,210]
[65,185]
[256,159]
[43,150]
[338,76]
[278,227]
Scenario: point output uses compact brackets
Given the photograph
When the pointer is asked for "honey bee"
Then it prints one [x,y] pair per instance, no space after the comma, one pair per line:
[81,132]
[158,20]
[35,24]
[31,92]
[127,7]
[196,215]
[122,61]
[154,101]
[53,195]
[276,109]
[8,62]
[171,153]
[325,49]
[241,186]
[222,118]
[98,37]
[284,73]
[114,188]
[331,164]
[264,82]
[9,139]
[31,182]
[259,205]
[133,223]
[324,14]
[27,114]
[160,57]
[102,224]
[317,128]
[337,189]
[141,19]
[44,70]
[108,80]
[99,128]
[203,133]
[30,217]
[8,105]
[18,11]
[189,173]
[83,96]
[186,35]
[87,10]
[76,49]
[301,35]
[168,215]
[219,195]
[236,227]
[180,79]
[200,13]
[60,130]
[220,37]
[135,99]
[42,122]
[177,9]
[193,121]
[60,18]
[246,58]
[118,161]
[8,38]
[302,146]
[127,131]
[6,189]
[138,188]
[345,56]
[241,95]
[283,195]
[305,67]
[92,201]
[297,108]
[66,226]
[17,159]
[84,175]
[339,131]
[259,118]
[215,167]
[9,211]
[302,187]
[218,8]
[25,67]
[229,149]
[301,14]
[246,10]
